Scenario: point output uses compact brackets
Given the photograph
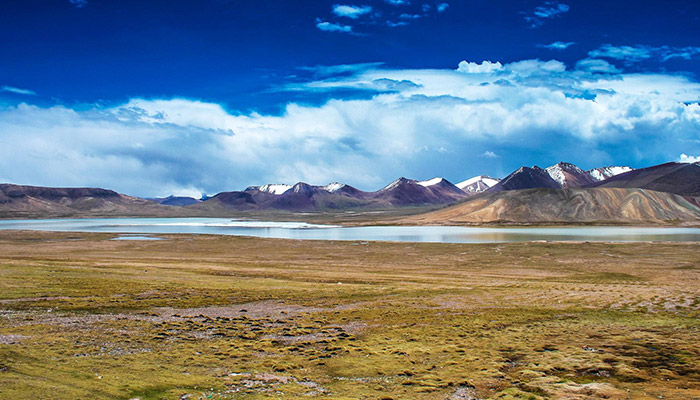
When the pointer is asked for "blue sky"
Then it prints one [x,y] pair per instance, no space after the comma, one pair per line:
[159,97]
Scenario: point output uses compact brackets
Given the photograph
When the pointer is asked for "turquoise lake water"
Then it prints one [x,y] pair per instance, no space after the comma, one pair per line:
[301,230]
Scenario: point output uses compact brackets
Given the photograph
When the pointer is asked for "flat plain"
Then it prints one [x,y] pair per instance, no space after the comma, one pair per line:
[219,317]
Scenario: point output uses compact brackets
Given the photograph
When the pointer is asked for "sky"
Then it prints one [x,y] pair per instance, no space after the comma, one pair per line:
[153,98]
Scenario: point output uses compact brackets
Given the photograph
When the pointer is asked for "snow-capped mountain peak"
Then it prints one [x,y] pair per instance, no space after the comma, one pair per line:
[301,187]
[477,184]
[563,172]
[603,173]
[333,187]
[396,183]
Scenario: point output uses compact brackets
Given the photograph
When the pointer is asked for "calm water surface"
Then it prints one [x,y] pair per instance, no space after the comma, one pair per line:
[301,230]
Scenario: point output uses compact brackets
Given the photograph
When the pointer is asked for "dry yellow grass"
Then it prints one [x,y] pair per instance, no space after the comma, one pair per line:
[84,317]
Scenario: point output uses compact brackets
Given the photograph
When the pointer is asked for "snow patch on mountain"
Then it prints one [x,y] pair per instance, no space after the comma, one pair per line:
[603,173]
[430,182]
[556,173]
[274,188]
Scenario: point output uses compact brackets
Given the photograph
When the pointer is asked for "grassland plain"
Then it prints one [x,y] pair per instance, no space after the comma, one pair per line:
[220,317]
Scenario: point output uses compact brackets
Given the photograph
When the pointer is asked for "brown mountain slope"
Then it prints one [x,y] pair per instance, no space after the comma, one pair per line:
[18,201]
[567,206]
[678,178]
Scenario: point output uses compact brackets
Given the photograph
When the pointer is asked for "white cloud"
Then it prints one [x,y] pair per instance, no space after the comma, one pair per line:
[595,65]
[550,9]
[331,27]
[392,18]
[392,24]
[627,53]
[637,53]
[528,68]
[685,53]
[329,70]
[431,122]
[16,90]
[350,11]
[688,159]
[557,45]
[490,154]
[475,68]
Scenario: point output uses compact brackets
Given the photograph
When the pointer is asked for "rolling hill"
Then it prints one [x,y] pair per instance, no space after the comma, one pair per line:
[179,201]
[18,201]
[677,178]
[537,206]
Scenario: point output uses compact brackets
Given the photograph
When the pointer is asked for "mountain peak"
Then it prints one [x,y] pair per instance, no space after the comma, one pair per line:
[477,184]
[527,178]
[301,187]
[272,188]
[568,175]
[397,183]
[333,187]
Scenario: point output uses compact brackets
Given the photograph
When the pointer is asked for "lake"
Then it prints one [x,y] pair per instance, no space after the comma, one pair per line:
[301,230]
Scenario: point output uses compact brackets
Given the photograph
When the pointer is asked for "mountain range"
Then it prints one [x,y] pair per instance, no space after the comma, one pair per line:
[401,192]
[559,193]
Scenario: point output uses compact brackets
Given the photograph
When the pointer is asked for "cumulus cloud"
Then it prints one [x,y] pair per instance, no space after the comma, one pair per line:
[637,53]
[398,2]
[490,154]
[440,122]
[548,10]
[484,67]
[332,27]
[557,45]
[688,159]
[350,11]
[16,90]
[442,7]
